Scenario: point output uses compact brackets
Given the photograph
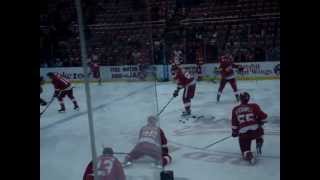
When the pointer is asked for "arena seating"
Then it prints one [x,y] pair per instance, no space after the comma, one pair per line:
[249,29]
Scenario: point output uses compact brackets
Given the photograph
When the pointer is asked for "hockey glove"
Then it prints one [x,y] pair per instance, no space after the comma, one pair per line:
[56,94]
[176,93]
[235,134]
[42,102]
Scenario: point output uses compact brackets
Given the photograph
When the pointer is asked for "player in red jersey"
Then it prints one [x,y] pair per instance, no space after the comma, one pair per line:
[247,121]
[184,81]
[108,167]
[226,66]
[152,143]
[63,88]
[95,71]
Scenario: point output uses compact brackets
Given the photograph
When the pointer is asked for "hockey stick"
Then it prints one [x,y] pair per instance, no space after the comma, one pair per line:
[44,110]
[102,145]
[51,100]
[223,139]
[165,106]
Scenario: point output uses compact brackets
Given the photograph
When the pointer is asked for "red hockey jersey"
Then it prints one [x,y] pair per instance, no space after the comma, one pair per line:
[94,67]
[183,78]
[108,168]
[61,83]
[247,117]
[88,173]
[226,66]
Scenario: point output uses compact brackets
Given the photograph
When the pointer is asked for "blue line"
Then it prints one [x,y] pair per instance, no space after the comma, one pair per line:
[93,109]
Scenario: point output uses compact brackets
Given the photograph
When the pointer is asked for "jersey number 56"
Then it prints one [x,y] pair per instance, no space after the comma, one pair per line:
[245,117]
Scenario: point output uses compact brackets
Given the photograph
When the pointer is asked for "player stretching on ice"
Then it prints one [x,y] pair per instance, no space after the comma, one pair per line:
[247,121]
[95,71]
[108,167]
[226,66]
[62,88]
[152,143]
[184,80]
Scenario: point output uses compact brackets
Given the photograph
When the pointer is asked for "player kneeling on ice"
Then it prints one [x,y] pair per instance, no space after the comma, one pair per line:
[108,167]
[226,66]
[63,87]
[247,121]
[152,143]
[187,82]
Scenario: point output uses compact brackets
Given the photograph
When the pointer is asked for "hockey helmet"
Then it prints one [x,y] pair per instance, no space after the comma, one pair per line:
[107,151]
[152,119]
[244,97]
[50,74]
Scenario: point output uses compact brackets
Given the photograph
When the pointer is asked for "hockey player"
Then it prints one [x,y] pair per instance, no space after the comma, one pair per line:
[226,66]
[184,81]
[200,62]
[247,121]
[63,88]
[42,102]
[108,167]
[152,143]
[95,71]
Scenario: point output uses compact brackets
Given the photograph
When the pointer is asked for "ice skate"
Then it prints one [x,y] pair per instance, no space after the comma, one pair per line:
[218,98]
[186,114]
[62,109]
[126,164]
[253,160]
[250,158]
[76,108]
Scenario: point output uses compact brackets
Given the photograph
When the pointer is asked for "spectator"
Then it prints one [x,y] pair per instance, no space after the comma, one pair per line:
[136,55]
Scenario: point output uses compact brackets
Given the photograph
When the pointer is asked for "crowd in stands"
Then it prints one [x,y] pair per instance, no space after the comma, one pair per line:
[119,31]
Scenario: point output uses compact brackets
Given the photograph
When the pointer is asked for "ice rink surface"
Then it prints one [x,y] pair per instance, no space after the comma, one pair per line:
[120,109]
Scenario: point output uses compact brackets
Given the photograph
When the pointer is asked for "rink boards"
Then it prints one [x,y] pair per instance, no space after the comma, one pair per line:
[252,71]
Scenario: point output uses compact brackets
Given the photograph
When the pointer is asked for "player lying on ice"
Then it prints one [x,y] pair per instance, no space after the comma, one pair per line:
[247,121]
[153,143]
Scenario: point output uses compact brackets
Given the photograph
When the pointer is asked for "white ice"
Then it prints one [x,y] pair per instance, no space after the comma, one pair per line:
[120,110]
